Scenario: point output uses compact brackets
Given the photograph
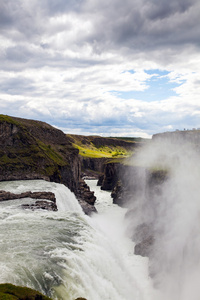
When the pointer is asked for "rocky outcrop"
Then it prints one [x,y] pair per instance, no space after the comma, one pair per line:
[110,178]
[39,204]
[34,195]
[92,167]
[42,204]
[86,198]
[124,181]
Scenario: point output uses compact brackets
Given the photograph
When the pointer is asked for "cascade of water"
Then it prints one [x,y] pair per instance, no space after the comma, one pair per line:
[66,200]
[66,254]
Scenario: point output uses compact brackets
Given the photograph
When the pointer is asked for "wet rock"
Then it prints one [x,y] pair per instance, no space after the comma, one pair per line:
[86,198]
[87,208]
[4,195]
[85,194]
[40,204]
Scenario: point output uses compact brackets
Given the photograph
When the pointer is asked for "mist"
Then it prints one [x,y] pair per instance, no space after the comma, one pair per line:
[164,214]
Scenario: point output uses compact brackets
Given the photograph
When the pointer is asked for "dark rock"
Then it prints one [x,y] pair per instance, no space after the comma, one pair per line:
[42,204]
[86,198]
[144,239]
[34,195]
[144,248]
[110,176]
[93,165]
[117,193]
[100,180]
[87,208]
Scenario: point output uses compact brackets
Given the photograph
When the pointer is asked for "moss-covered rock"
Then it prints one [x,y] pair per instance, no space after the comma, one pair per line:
[12,292]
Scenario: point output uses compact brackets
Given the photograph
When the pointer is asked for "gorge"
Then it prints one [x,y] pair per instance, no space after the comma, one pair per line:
[145,247]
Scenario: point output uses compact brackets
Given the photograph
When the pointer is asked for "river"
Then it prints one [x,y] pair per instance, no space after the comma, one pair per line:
[66,254]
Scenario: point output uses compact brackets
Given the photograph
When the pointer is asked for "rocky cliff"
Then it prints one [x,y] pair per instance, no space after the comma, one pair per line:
[128,185]
[96,151]
[92,167]
[35,150]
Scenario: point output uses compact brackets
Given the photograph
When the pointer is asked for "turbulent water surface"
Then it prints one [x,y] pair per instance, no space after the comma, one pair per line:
[67,254]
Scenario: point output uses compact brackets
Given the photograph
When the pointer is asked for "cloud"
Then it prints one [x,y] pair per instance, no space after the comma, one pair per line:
[70,63]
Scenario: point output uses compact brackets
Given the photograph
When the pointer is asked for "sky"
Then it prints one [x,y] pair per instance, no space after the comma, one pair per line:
[109,67]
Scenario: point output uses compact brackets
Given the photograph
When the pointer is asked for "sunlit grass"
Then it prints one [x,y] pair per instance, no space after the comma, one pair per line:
[102,152]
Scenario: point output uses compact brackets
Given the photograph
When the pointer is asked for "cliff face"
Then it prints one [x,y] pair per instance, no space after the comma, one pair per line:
[35,150]
[92,167]
[31,149]
[130,184]
[189,136]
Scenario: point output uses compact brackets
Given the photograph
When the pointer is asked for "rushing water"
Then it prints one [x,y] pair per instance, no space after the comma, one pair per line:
[67,254]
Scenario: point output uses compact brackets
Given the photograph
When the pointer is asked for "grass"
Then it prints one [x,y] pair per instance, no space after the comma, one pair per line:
[8,119]
[107,152]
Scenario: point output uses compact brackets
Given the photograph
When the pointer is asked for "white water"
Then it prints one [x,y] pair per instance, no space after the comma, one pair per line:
[66,254]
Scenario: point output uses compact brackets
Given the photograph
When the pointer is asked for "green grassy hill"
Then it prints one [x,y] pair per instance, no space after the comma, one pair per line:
[97,147]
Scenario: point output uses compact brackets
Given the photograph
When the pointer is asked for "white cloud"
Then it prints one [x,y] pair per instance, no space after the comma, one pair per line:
[67,62]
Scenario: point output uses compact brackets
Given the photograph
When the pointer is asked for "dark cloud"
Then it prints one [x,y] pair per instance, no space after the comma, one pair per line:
[60,6]
[158,10]
[131,26]
[17,85]
[18,54]
[8,11]
[17,20]
[142,25]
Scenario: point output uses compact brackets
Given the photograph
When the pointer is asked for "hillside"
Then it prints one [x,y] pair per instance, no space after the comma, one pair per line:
[33,149]
[97,147]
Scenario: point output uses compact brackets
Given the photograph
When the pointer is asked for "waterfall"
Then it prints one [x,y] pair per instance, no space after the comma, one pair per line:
[67,254]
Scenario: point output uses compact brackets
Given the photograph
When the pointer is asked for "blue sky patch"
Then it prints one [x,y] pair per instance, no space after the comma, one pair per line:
[159,88]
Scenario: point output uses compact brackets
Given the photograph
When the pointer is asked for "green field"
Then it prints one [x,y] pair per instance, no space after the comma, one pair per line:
[107,147]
